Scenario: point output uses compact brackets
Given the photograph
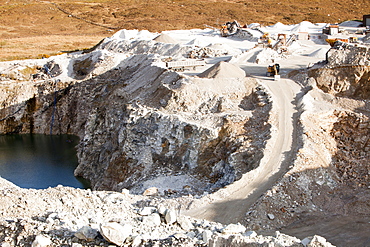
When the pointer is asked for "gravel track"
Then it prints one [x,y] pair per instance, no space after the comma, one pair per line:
[241,195]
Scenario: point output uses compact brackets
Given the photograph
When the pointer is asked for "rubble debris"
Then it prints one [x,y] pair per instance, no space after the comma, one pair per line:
[115,233]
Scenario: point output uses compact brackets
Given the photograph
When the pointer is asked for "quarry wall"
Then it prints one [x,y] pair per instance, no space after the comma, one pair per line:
[346,72]
[138,121]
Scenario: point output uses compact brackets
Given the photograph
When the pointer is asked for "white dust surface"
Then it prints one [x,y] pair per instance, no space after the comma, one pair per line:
[134,35]
[198,42]
[319,53]
[350,24]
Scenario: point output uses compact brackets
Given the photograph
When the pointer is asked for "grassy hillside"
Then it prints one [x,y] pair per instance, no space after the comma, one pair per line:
[32,28]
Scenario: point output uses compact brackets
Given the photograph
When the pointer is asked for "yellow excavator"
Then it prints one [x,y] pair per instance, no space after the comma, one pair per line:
[273,70]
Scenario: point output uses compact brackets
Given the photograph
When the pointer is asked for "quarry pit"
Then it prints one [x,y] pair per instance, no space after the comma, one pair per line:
[219,142]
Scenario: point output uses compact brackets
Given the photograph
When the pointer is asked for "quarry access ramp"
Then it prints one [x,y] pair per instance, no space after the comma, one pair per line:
[230,204]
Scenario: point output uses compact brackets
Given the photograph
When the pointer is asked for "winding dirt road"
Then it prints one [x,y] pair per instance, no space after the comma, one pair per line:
[231,204]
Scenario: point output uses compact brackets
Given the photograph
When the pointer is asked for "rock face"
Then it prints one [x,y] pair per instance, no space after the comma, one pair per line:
[352,130]
[139,122]
[163,125]
[346,73]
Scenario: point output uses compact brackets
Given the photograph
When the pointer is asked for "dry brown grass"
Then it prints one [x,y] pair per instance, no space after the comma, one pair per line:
[44,46]
[32,27]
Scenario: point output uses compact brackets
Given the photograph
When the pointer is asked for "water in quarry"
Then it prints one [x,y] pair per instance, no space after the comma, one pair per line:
[39,161]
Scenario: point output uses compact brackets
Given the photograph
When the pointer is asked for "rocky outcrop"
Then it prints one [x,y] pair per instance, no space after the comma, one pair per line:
[140,124]
[352,134]
[179,127]
[346,72]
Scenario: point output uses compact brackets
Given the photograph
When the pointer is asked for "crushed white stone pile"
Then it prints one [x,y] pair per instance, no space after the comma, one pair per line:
[266,56]
[165,38]
[223,70]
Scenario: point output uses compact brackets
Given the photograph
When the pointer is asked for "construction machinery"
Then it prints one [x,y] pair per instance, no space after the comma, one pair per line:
[224,31]
[265,40]
[284,41]
[273,70]
[353,40]
[229,28]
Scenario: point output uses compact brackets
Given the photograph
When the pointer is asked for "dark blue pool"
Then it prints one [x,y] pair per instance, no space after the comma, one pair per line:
[39,161]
